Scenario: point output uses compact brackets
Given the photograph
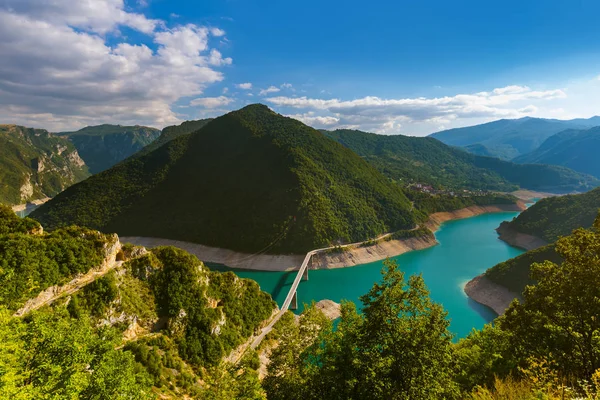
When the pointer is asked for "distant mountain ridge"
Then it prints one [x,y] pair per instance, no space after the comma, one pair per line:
[510,138]
[35,164]
[427,160]
[103,146]
[251,180]
[575,149]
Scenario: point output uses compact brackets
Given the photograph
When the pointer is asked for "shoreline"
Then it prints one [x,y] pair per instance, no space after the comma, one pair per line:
[352,256]
[517,239]
[490,294]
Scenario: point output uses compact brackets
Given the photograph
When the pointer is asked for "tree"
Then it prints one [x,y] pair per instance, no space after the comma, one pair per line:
[559,320]
[399,348]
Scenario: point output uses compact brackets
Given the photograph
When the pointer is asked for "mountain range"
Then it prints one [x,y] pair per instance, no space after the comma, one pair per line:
[510,138]
[103,146]
[575,149]
[427,160]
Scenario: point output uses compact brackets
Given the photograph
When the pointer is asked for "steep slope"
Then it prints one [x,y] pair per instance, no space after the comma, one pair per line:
[507,139]
[251,180]
[558,216]
[103,146]
[575,149]
[35,164]
[426,160]
[173,132]
[155,321]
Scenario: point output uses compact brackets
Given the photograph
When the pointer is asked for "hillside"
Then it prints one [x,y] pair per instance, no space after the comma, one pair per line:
[515,273]
[427,160]
[557,216]
[172,132]
[35,164]
[152,323]
[510,138]
[251,180]
[575,149]
[103,146]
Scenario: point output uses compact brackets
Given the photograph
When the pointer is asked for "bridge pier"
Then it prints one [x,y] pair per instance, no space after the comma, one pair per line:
[305,273]
[294,305]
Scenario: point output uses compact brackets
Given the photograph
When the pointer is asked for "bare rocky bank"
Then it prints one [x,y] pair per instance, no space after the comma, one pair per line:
[350,256]
[518,239]
[490,294]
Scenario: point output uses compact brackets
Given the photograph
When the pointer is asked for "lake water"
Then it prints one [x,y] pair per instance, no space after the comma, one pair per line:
[467,248]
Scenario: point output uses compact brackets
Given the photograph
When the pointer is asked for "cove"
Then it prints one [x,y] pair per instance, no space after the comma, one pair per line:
[467,248]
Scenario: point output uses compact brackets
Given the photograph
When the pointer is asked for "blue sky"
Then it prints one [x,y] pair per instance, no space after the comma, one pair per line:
[410,67]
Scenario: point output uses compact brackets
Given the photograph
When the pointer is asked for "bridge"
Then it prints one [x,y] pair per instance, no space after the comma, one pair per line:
[291,300]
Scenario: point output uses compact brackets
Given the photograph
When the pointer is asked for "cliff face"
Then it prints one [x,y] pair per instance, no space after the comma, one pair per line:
[35,164]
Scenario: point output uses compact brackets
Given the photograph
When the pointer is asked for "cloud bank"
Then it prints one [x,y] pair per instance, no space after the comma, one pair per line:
[65,64]
[388,115]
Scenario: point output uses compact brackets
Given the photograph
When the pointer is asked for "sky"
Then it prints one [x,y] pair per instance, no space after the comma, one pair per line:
[391,67]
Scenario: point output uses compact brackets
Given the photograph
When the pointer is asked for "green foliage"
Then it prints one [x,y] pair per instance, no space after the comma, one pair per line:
[515,273]
[49,163]
[399,348]
[426,160]
[31,263]
[95,297]
[11,223]
[421,232]
[429,204]
[51,356]
[173,132]
[103,146]
[170,374]
[182,296]
[558,319]
[553,217]
[279,184]
[483,356]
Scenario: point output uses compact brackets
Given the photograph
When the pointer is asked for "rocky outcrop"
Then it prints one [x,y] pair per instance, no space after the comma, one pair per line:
[490,294]
[49,295]
[518,239]
[329,308]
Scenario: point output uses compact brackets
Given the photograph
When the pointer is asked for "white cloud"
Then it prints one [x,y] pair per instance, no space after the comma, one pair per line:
[286,85]
[244,86]
[225,90]
[315,121]
[98,16]
[383,115]
[211,102]
[217,32]
[270,89]
[58,71]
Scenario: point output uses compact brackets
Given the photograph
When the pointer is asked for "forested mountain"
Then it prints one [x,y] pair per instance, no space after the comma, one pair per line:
[172,132]
[103,146]
[427,160]
[146,324]
[553,217]
[510,138]
[250,180]
[575,149]
[35,164]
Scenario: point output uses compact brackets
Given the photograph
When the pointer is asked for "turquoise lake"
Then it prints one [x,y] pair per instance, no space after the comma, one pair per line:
[467,248]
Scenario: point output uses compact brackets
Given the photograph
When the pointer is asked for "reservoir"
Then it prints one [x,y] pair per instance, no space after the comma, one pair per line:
[467,248]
